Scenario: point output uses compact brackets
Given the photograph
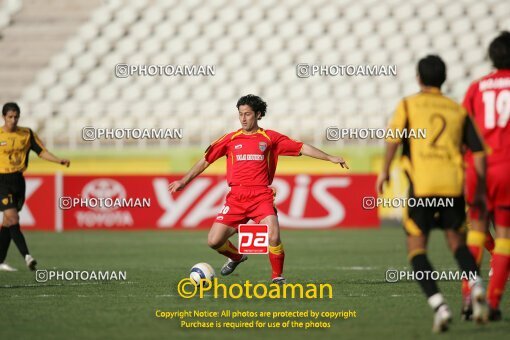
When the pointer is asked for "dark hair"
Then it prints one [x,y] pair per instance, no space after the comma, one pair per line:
[432,71]
[255,102]
[10,107]
[499,51]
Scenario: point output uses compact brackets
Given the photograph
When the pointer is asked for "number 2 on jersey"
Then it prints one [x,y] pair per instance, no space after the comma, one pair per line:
[442,121]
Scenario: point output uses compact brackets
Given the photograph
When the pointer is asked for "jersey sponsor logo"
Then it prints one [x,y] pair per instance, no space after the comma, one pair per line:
[249,157]
[262,146]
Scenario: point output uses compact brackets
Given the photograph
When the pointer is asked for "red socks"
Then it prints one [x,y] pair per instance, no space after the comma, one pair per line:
[276,257]
[501,269]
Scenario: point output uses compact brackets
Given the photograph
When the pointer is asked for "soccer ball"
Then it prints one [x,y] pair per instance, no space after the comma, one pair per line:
[201,271]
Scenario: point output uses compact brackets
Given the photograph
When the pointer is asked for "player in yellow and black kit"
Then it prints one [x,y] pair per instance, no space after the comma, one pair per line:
[15,144]
[434,167]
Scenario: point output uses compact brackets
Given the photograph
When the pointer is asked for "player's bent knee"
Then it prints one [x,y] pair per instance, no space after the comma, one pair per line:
[274,240]
[214,242]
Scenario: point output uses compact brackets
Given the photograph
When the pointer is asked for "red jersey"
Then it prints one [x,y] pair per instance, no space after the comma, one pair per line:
[488,102]
[252,158]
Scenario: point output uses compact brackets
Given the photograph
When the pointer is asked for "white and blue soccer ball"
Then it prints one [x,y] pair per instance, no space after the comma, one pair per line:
[201,271]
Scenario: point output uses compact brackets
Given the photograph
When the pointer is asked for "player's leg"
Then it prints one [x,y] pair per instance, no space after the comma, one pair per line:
[417,254]
[18,200]
[276,252]
[5,240]
[490,243]
[499,189]
[453,220]
[478,219]
[501,270]
[12,200]
[263,211]
[417,223]
[218,239]
[475,242]
[467,264]
[6,202]
[231,215]
[11,220]
[478,236]
[489,240]
[476,239]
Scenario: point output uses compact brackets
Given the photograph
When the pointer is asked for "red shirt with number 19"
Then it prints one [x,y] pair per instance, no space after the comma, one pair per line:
[252,158]
[488,102]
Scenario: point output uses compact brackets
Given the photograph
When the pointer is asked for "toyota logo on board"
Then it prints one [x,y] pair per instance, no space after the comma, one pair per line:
[104,188]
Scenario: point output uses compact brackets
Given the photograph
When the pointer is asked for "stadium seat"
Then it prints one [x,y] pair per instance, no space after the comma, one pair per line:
[69,109]
[46,78]
[84,93]
[32,94]
[255,50]
[71,78]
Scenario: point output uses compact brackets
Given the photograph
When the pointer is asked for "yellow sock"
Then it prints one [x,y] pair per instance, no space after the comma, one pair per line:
[475,243]
[276,250]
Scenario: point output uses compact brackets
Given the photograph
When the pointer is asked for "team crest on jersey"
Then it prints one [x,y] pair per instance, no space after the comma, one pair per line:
[5,201]
[238,146]
[2,143]
[262,146]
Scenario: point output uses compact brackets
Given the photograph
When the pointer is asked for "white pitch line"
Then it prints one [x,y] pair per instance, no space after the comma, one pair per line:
[49,284]
[341,268]
[356,268]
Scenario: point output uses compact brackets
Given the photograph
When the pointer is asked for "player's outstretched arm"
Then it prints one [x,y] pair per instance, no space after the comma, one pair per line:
[48,156]
[384,176]
[196,170]
[312,151]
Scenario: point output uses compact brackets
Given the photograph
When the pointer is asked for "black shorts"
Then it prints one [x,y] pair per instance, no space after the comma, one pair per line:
[419,220]
[12,191]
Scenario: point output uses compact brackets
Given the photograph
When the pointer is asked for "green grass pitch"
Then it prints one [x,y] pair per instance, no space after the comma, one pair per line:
[353,261]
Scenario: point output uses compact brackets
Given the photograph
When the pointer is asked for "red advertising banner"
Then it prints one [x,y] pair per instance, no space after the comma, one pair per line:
[40,209]
[143,202]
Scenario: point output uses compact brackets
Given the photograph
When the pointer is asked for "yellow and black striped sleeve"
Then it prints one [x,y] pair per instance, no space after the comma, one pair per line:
[35,143]
[471,137]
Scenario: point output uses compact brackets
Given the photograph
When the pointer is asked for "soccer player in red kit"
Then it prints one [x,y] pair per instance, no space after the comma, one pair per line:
[488,102]
[252,154]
